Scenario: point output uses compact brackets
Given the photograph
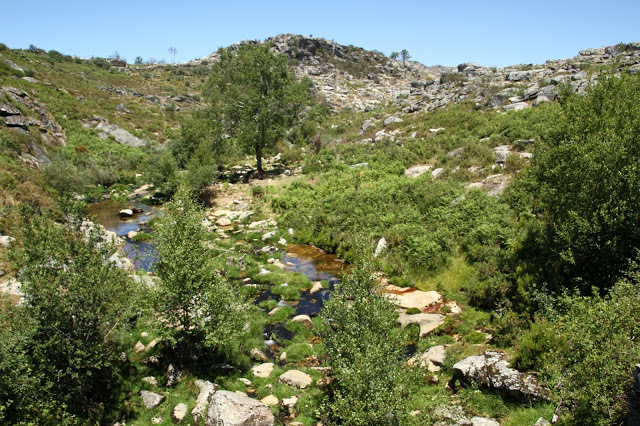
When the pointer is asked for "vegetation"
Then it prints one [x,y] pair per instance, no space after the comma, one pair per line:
[61,365]
[256,95]
[544,270]
[198,308]
[358,328]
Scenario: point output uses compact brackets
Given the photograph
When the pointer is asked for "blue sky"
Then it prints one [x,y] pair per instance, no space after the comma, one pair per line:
[496,33]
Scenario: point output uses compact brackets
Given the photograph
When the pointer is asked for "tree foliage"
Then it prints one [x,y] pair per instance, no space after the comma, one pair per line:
[198,307]
[256,96]
[588,179]
[75,297]
[359,331]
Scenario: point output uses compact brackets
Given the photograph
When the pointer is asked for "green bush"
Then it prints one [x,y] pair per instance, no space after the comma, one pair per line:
[357,327]
[598,341]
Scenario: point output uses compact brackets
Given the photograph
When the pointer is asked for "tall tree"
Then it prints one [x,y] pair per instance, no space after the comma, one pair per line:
[587,177]
[394,55]
[256,96]
[404,54]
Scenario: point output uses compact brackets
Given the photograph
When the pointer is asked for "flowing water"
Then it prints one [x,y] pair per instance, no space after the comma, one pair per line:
[106,214]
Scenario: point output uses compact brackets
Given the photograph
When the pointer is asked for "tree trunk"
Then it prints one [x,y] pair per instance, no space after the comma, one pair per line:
[259,160]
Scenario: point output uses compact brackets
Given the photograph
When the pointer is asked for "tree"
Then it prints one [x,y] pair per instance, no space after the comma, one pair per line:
[139,60]
[394,55]
[74,297]
[256,96]
[588,178]
[172,52]
[359,330]
[197,306]
[405,55]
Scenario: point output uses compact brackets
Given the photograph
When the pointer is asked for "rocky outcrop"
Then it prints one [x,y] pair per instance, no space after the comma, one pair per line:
[233,409]
[491,370]
[119,134]
[352,77]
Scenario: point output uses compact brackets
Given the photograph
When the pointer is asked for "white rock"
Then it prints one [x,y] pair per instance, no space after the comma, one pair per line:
[268,235]
[223,221]
[426,322]
[244,381]
[382,246]
[179,412]
[206,390]
[262,370]
[416,171]
[296,379]
[270,400]
[305,320]
[151,399]
[232,409]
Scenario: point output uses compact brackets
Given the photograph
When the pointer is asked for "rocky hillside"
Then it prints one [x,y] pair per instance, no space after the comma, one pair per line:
[351,77]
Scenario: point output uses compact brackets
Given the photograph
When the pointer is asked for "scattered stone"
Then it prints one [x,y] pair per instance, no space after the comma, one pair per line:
[392,120]
[316,287]
[484,421]
[138,347]
[491,369]
[151,399]
[432,359]
[426,322]
[151,380]
[283,357]
[382,246]
[125,213]
[244,381]
[268,235]
[296,379]
[157,420]
[544,422]
[173,375]
[144,334]
[179,412]
[207,389]
[437,173]
[305,320]
[257,355]
[152,344]
[262,370]
[231,409]
[415,298]
[223,221]
[270,400]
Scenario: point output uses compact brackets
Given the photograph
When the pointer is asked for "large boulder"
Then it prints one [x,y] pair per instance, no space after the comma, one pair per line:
[151,399]
[426,322]
[207,389]
[233,409]
[415,298]
[296,379]
[491,370]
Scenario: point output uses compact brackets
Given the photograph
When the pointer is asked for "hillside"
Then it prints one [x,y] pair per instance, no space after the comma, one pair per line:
[425,244]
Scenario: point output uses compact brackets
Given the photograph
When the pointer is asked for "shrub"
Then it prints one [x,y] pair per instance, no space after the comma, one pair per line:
[357,327]
[75,298]
[599,341]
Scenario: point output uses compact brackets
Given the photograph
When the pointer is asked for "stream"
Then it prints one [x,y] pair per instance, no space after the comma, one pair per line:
[311,261]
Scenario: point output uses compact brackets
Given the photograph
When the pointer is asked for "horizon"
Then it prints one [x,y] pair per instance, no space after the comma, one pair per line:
[499,34]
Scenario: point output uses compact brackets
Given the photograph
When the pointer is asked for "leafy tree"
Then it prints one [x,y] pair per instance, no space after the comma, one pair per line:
[405,55]
[256,96]
[139,60]
[587,178]
[75,298]
[596,349]
[198,307]
[394,55]
[359,331]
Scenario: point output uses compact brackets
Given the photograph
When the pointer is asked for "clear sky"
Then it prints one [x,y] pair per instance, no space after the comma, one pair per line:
[492,33]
